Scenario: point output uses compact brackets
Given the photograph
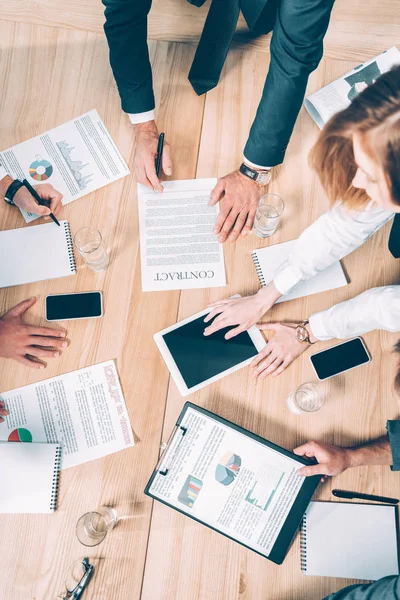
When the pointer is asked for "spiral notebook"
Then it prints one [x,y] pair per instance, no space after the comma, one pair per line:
[268,262]
[29,477]
[356,541]
[36,253]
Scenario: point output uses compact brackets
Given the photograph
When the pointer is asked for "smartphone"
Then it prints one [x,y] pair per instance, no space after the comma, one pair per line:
[83,305]
[342,357]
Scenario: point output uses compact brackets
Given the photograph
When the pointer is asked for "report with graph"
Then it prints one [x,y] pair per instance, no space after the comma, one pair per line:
[233,481]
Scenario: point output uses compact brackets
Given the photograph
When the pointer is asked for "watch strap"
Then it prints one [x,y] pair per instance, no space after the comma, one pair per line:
[11,191]
[248,171]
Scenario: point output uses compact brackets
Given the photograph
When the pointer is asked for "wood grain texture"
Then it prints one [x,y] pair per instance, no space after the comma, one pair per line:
[54,66]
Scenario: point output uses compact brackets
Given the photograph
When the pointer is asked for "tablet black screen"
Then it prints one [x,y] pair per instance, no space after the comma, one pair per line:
[199,357]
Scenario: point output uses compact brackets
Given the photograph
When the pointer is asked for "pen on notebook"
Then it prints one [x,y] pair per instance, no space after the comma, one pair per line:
[160,147]
[38,199]
[351,495]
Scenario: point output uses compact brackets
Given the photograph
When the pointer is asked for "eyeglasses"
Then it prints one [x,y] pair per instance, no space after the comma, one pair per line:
[78,577]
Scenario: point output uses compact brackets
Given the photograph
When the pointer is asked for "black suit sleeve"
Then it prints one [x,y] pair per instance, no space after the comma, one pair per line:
[387,588]
[296,49]
[126,31]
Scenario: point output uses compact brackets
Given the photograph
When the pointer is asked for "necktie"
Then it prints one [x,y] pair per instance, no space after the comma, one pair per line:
[394,238]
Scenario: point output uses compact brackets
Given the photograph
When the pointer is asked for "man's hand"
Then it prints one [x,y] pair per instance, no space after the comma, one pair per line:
[146,153]
[240,313]
[28,344]
[239,197]
[280,351]
[24,200]
[332,459]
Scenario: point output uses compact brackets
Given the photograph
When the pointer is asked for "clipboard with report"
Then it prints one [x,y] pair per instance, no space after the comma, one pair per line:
[233,481]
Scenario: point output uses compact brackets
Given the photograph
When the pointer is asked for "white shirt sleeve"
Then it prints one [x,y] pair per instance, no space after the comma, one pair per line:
[331,237]
[378,308]
[251,164]
[141,117]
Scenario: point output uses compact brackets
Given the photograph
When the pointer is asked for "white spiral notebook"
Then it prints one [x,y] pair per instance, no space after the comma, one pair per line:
[268,262]
[36,253]
[29,477]
[356,541]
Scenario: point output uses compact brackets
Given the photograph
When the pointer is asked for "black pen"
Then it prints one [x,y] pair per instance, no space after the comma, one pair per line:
[38,199]
[351,495]
[160,147]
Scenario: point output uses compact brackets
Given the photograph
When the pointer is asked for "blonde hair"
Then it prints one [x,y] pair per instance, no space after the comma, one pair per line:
[375,115]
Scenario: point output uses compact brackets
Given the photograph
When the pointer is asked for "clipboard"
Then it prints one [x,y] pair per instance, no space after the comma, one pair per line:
[226,477]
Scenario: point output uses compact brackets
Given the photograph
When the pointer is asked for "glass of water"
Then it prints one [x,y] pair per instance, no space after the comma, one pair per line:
[269,212]
[92,527]
[90,245]
[309,397]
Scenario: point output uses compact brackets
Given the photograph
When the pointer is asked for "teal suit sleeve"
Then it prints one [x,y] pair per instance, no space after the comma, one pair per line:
[393,428]
[126,32]
[387,588]
[296,49]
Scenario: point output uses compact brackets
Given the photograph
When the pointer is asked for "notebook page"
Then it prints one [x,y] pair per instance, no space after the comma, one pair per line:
[271,259]
[35,253]
[357,541]
[26,477]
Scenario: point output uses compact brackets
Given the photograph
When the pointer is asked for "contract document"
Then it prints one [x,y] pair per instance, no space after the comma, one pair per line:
[84,411]
[178,248]
[77,158]
[233,481]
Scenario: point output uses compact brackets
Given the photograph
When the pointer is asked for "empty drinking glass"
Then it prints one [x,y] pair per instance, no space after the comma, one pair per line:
[92,527]
[308,397]
[268,214]
[90,245]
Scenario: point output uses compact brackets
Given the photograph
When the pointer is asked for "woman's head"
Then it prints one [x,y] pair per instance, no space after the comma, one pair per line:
[357,155]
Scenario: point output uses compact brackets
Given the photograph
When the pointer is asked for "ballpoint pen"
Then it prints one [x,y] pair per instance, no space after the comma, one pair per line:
[38,199]
[160,147]
[358,496]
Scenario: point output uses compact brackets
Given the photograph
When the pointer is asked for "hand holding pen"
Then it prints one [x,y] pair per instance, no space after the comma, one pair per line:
[152,157]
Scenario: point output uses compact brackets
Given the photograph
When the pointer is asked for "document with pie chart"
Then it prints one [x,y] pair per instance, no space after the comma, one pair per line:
[77,158]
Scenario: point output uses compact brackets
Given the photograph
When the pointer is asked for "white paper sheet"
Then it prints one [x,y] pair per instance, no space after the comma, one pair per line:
[84,411]
[268,262]
[77,158]
[177,246]
[357,541]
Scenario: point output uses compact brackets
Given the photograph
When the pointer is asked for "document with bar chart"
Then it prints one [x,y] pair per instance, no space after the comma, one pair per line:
[232,481]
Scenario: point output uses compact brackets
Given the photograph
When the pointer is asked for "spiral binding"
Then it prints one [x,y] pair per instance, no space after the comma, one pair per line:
[56,476]
[258,268]
[303,544]
[70,245]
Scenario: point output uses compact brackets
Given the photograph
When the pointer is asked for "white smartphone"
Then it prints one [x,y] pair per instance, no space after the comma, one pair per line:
[67,307]
[340,358]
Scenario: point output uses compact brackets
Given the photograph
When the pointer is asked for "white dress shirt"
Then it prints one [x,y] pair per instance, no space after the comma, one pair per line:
[334,235]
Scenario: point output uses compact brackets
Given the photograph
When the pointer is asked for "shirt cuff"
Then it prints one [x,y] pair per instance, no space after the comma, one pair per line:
[318,328]
[3,172]
[393,428]
[251,164]
[141,117]
[286,279]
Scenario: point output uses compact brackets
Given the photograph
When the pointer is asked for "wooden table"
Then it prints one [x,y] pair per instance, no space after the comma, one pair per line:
[54,68]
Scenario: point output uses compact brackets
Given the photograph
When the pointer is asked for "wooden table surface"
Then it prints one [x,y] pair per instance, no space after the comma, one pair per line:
[54,66]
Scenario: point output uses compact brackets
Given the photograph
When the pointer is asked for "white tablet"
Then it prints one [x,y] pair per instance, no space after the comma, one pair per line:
[195,360]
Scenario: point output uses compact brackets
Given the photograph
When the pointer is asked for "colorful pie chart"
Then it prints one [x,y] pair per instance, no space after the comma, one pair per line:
[40,170]
[20,435]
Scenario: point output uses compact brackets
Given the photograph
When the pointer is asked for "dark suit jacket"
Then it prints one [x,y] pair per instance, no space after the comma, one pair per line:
[296,49]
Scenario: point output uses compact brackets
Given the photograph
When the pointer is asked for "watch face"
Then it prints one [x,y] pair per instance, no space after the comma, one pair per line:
[264,178]
[301,334]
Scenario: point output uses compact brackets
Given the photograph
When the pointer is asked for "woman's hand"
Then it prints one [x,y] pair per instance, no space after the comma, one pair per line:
[23,199]
[240,313]
[280,351]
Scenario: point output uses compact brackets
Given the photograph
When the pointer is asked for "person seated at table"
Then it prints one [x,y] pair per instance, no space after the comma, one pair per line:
[333,460]
[28,344]
[357,158]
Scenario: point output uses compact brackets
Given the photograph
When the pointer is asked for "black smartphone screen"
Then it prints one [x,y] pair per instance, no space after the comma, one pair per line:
[73,306]
[199,357]
[339,358]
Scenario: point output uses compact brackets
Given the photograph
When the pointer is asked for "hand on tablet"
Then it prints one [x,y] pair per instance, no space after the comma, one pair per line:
[280,351]
[28,344]
[240,313]
[332,459]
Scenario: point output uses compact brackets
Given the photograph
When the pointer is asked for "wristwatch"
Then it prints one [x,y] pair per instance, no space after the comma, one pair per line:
[302,334]
[11,191]
[261,177]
